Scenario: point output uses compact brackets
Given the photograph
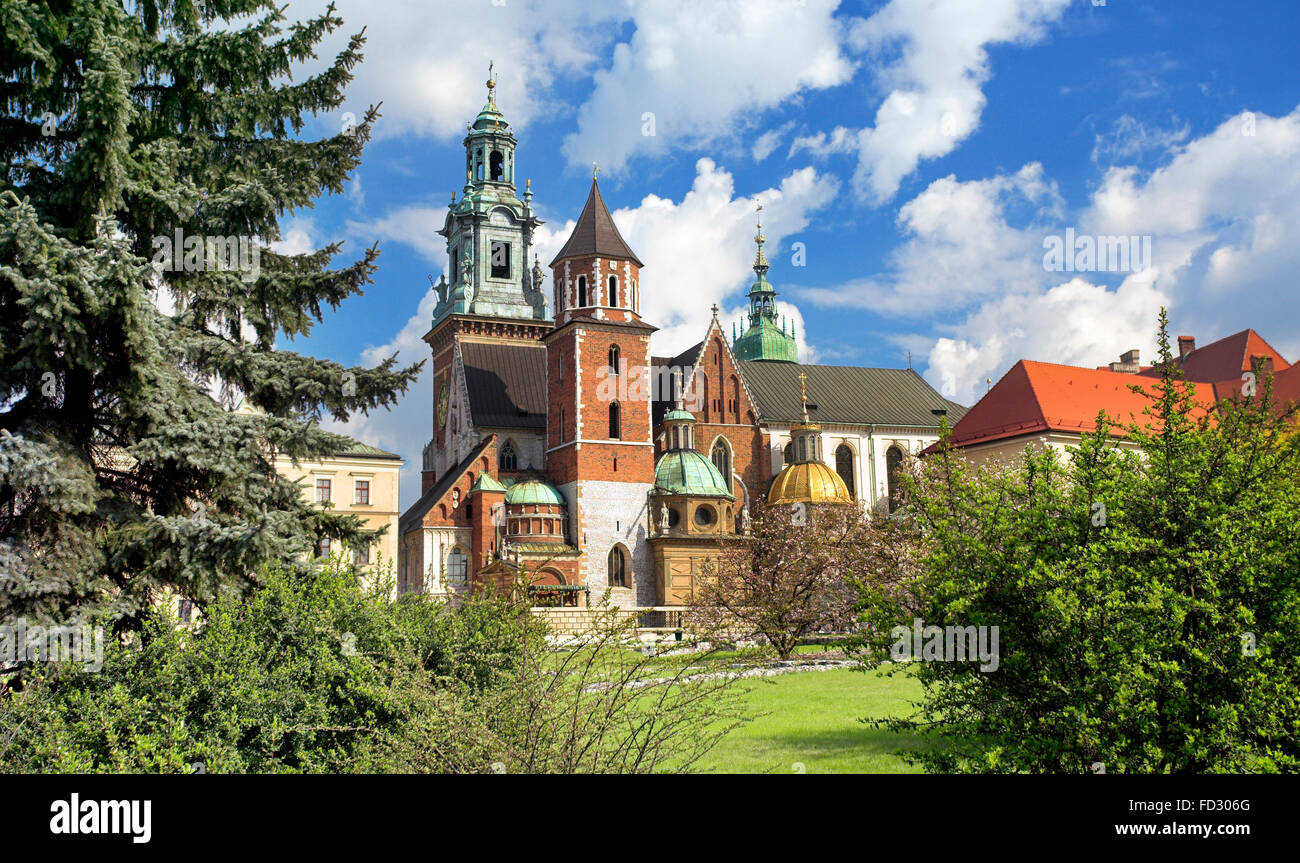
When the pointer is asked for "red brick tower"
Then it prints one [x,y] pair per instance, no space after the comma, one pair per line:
[599,449]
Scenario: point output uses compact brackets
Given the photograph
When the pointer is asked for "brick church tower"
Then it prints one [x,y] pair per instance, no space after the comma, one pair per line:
[598,434]
[493,295]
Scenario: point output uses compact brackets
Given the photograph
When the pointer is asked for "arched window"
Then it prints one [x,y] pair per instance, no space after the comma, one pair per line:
[617,567]
[615,421]
[478,164]
[844,466]
[721,458]
[893,466]
[612,299]
[634,304]
[613,359]
[457,568]
[582,291]
[495,163]
[508,459]
[787,454]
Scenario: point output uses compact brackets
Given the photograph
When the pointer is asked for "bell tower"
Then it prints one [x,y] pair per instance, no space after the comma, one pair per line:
[598,425]
[764,338]
[493,287]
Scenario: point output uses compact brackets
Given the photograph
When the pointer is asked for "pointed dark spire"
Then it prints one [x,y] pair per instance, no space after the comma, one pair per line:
[596,234]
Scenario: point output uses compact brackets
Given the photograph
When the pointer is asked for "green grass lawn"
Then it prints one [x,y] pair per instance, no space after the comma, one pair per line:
[812,718]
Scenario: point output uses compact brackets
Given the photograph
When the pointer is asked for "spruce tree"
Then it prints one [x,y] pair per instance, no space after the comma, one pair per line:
[121,476]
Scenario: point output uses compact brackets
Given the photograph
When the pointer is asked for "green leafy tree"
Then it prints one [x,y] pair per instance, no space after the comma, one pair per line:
[120,474]
[1147,594]
[311,673]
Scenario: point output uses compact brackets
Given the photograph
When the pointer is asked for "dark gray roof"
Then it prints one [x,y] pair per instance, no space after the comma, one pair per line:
[685,361]
[847,394]
[507,384]
[596,234]
[414,515]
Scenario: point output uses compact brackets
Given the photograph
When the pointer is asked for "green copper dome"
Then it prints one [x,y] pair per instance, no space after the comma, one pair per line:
[534,491]
[679,414]
[688,472]
[486,483]
[766,341]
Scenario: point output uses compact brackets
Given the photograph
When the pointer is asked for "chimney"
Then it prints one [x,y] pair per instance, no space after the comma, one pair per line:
[1128,363]
[1186,344]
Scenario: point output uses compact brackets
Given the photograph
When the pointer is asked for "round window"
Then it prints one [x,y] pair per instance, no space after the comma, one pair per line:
[704,516]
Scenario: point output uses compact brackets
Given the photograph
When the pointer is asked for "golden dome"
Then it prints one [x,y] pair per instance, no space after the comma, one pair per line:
[808,482]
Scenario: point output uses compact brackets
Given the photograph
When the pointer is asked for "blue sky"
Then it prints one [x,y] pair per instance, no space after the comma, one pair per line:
[920,151]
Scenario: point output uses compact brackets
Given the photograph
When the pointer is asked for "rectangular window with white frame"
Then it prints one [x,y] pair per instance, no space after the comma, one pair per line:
[361,492]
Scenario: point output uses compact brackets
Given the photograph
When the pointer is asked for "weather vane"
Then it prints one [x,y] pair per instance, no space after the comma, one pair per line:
[595,169]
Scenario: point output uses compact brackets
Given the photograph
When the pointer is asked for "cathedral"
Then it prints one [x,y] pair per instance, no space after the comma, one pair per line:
[563,445]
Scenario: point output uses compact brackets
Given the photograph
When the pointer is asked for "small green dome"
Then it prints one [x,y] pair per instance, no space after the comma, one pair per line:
[679,414]
[534,491]
[486,483]
[689,472]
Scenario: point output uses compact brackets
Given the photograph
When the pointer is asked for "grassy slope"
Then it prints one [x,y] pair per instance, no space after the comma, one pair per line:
[813,719]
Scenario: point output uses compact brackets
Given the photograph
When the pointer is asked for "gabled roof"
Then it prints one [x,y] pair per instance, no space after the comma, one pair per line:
[846,394]
[357,449]
[662,400]
[1034,398]
[414,515]
[596,234]
[506,384]
[1225,359]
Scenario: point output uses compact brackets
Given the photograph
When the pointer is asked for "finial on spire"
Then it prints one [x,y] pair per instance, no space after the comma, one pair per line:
[491,83]
[760,259]
[715,311]
[803,395]
[595,169]
[677,379]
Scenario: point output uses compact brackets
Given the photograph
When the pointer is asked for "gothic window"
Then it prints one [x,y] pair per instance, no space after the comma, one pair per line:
[508,459]
[617,567]
[495,165]
[615,421]
[613,359]
[893,466]
[457,567]
[582,291]
[634,296]
[612,300]
[787,454]
[721,457]
[844,465]
[500,260]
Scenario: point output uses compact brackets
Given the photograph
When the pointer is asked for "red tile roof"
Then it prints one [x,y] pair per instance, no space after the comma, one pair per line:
[1226,359]
[1034,398]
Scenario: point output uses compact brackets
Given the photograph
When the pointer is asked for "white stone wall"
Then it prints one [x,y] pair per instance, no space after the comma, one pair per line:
[438,542]
[602,514]
[868,448]
[530,446]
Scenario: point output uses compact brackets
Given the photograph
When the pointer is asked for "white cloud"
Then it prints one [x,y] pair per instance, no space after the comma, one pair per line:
[413,226]
[1074,323]
[427,60]
[298,237]
[933,59]
[1223,216]
[959,247]
[767,142]
[704,71]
